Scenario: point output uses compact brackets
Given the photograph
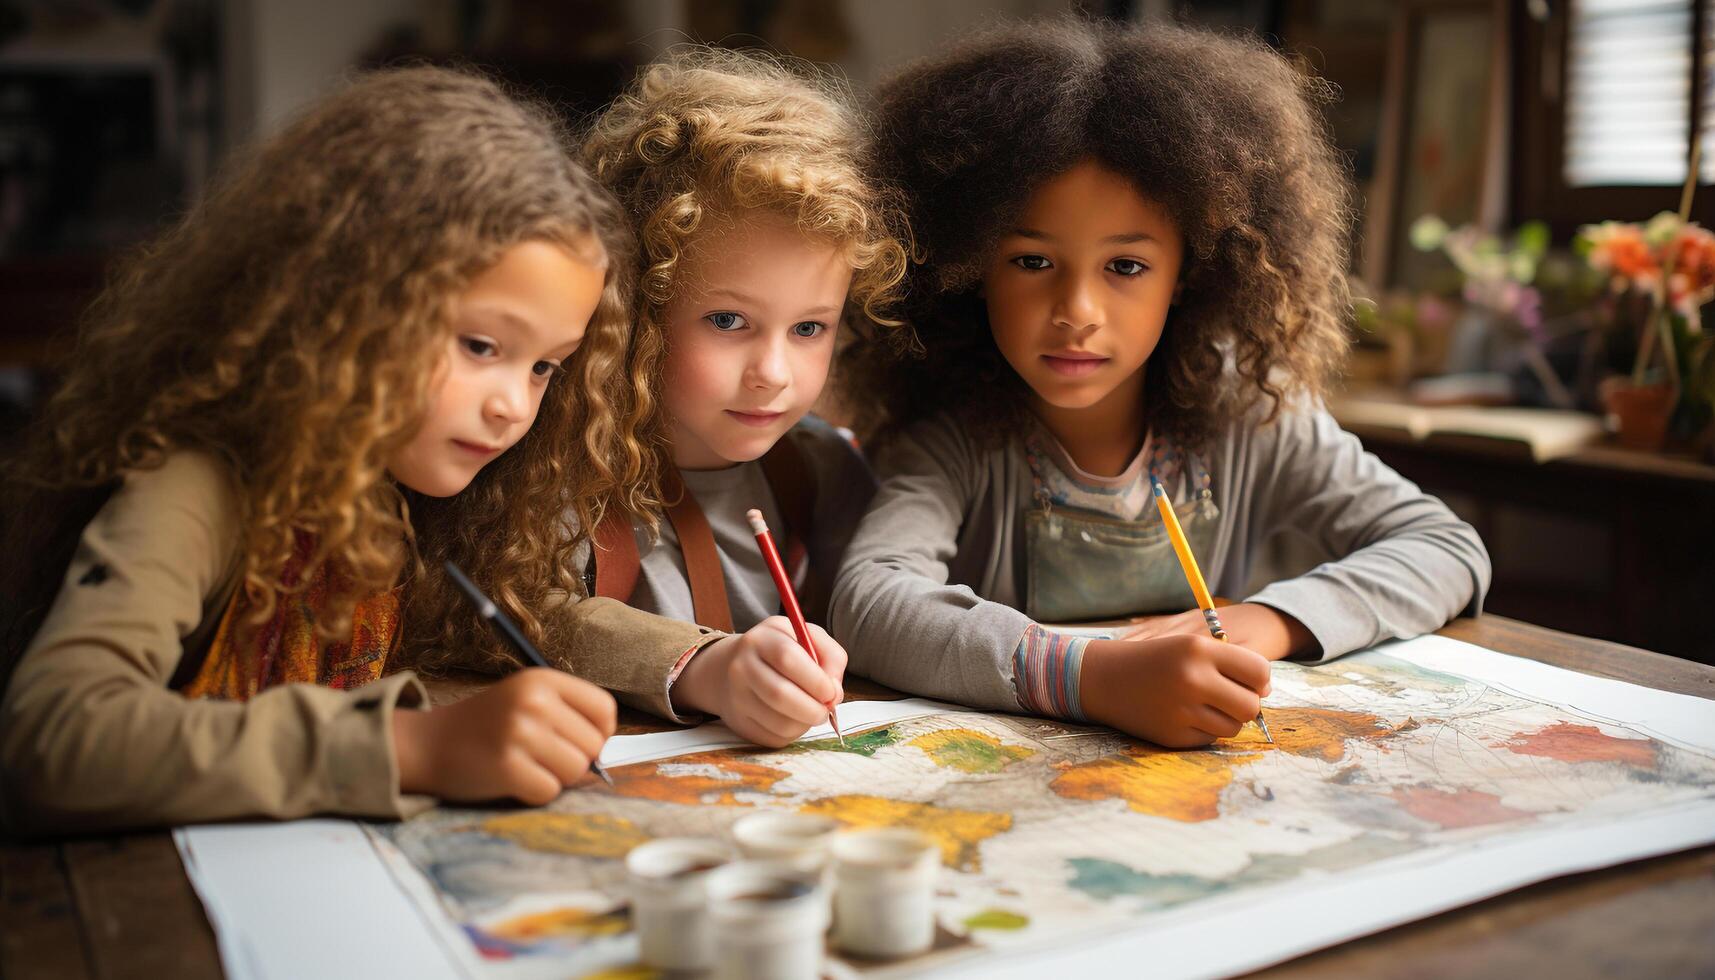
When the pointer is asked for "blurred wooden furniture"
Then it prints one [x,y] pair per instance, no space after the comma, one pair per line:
[1605,542]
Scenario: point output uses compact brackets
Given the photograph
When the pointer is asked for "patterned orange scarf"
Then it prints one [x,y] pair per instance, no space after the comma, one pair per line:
[284,649]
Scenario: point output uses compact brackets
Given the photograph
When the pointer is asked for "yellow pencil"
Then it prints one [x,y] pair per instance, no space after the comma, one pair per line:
[1188,562]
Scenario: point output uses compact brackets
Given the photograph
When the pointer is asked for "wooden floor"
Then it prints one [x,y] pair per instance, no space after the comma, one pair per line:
[121,906]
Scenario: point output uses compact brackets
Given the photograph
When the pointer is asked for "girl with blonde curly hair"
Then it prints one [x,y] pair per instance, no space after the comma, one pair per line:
[393,335]
[1135,253]
[758,230]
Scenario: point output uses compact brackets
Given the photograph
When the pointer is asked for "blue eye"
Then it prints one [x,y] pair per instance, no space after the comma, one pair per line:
[477,346]
[1128,267]
[809,328]
[725,321]
[1034,263]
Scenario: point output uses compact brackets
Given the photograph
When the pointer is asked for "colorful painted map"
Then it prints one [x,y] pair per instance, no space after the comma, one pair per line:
[1049,832]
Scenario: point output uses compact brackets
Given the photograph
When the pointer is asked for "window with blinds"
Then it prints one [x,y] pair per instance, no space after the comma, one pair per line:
[1630,72]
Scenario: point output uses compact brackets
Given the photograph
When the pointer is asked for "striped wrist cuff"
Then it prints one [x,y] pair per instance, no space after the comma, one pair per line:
[1045,673]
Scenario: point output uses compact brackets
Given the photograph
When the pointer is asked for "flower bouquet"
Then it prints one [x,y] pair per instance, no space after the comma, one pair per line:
[1660,274]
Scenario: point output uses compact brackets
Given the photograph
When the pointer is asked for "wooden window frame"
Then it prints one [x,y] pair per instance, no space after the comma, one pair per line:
[1538,181]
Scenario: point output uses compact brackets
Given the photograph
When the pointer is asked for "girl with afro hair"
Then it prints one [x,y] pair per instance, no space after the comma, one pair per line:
[1133,245]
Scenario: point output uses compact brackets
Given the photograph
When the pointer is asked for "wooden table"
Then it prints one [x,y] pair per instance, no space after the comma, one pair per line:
[121,906]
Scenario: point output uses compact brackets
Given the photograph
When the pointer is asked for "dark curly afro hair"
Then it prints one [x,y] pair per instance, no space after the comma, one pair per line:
[1221,131]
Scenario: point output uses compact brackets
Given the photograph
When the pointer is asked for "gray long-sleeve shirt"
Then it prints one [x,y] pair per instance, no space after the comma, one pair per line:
[928,598]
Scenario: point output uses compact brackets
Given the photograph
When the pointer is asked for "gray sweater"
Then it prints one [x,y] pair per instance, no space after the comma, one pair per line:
[928,598]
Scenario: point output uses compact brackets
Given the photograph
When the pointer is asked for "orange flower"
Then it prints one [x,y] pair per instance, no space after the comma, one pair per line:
[1693,253]
[1619,249]
[1692,283]
[1633,259]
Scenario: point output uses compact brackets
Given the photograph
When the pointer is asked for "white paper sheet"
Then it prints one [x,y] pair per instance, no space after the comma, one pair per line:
[308,898]
[268,886]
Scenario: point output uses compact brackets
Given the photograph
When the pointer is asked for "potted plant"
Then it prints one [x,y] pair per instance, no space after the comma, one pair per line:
[1660,273]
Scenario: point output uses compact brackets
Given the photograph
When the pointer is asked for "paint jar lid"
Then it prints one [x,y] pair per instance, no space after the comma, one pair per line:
[885,852]
[675,866]
[767,901]
[802,838]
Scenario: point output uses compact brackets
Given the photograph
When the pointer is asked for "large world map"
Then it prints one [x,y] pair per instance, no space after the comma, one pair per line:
[1050,832]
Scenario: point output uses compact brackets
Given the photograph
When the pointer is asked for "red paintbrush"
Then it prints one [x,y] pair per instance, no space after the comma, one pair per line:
[788,598]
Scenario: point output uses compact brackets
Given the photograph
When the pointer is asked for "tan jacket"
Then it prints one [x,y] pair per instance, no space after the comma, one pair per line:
[92,737]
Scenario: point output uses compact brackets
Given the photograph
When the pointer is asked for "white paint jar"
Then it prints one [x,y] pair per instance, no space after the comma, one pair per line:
[669,904]
[798,839]
[884,891]
[769,921]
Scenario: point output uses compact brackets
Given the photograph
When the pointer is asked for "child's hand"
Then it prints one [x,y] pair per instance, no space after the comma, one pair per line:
[1179,690]
[528,737]
[1252,625]
[763,684]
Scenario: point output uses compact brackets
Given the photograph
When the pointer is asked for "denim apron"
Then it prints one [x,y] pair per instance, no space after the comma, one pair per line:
[1083,565]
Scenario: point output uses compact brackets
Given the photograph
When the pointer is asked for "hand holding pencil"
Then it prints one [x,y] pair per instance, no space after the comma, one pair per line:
[527,737]
[1181,689]
[1194,576]
[771,683]
[789,600]
[762,684]
[512,636]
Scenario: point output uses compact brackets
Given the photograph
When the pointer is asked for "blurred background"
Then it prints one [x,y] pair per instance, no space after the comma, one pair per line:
[1530,261]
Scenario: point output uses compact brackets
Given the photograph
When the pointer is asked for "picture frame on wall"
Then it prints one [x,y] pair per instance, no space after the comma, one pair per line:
[1443,146]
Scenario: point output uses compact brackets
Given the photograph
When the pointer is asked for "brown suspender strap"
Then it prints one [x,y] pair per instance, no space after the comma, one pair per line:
[617,562]
[702,561]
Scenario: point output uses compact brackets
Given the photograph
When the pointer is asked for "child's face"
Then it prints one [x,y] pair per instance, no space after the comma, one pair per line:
[512,328]
[1078,291]
[749,339]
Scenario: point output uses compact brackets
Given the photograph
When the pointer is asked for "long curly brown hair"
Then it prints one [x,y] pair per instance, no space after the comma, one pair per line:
[290,325]
[708,134]
[1221,131]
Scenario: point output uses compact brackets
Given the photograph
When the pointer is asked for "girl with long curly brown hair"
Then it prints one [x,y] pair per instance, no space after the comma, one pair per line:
[758,229]
[392,335]
[1134,249]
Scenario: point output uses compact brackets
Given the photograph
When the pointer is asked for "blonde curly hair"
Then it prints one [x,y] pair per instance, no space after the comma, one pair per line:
[290,325]
[708,134]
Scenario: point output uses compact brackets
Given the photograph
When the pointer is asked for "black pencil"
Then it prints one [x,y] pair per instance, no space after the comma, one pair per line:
[509,631]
